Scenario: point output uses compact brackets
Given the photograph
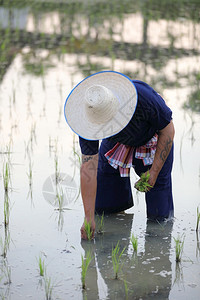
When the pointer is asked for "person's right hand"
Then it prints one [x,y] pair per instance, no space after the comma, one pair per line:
[83,231]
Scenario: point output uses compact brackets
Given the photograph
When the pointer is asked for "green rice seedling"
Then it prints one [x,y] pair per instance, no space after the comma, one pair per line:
[198,245]
[142,185]
[5,244]
[56,168]
[57,172]
[6,177]
[88,229]
[41,266]
[30,174]
[6,210]
[48,285]
[178,274]
[179,248]
[8,274]
[84,267]
[59,198]
[134,241]
[126,289]
[198,218]
[76,160]
[60,220]
[116,259]
[32,138]
[51,145]
[100,224]
[33,132]
[6,271]
[30,195]
[8,151]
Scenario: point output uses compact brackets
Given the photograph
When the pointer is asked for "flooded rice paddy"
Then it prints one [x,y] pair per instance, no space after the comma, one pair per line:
[46,48]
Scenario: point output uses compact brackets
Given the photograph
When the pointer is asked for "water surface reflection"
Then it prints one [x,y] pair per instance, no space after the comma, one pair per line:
[147,274]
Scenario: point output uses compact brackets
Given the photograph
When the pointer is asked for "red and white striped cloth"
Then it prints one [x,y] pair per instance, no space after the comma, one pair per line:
[122,156]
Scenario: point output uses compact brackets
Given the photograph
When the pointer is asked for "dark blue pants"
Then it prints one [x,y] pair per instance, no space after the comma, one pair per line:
[114,192]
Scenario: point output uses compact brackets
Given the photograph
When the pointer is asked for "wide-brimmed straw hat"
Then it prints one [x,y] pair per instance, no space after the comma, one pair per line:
[101,105]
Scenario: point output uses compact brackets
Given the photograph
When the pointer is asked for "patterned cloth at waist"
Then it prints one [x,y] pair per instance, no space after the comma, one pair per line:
[122,155]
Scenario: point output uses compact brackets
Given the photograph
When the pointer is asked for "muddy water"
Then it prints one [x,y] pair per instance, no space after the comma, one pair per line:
[34,132]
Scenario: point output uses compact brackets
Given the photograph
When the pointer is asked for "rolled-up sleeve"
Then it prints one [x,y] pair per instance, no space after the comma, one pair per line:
[88,147]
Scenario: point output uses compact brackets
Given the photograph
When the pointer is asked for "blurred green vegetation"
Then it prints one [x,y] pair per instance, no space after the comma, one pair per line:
[35,65]
[100,17]
[193,102]
[154,9]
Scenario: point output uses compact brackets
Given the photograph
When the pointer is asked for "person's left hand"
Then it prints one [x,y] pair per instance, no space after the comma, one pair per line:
[152,180]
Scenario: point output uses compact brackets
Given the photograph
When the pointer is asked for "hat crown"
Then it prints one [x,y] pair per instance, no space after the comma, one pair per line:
[100,104]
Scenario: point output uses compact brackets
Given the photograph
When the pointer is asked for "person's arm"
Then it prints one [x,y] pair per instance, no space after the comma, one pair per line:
[164,144]
[88,189]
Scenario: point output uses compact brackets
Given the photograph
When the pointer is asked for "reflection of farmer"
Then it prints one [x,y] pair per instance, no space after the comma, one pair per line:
[154,271]
[137,130]
[100,275]
[148,274]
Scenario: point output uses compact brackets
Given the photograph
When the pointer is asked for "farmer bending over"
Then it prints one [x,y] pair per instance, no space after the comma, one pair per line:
[136,129]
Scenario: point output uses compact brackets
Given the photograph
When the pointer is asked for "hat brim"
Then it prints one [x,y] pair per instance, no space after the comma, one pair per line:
[123,89]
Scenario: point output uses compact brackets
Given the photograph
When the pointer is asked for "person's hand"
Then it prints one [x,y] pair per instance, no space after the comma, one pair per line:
[92,229]
[147,181]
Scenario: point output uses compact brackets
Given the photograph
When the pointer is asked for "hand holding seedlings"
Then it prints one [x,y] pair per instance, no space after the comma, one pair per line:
[143,185]
[88,229]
